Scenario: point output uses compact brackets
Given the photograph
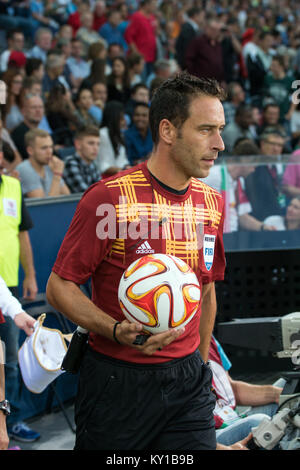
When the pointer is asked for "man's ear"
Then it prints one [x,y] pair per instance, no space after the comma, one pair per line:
[167,131]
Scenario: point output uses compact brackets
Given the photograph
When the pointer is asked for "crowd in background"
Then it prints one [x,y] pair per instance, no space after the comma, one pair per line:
[83,72]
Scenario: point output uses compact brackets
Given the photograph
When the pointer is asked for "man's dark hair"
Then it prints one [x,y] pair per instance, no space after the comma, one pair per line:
[136,87]
[192,12]
[171,100]
[32,64]
[87,131]
[140,103]
[242,109]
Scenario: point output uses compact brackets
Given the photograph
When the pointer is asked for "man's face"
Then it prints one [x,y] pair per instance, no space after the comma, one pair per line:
[115,50]
[33,110]
[88,148]
[76,49]
[213,30]
[239,94]
[18,42]
[142,95]
[293,210]
[141,118]
[41,150]
[245,119]
[45,41]
[271,115]
[115,18]
[272,145]
[199,140]
[100,92]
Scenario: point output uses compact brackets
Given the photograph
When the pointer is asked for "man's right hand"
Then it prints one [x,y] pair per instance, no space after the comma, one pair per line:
[127,332]
[4,440]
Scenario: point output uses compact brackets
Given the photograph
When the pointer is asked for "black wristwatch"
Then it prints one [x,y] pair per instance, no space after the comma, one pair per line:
[5,407]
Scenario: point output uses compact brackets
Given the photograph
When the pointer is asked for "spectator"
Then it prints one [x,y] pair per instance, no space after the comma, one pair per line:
[12,115]
[35,68]
[114,50]
[112,152]
[15,246]
[17,61]
[291,220]
[43,44]
[85,33]
[291,176]
[204,57]
[162,69]
[33,112]
[138,139]
[54,74]
[80,170]
[97,50]
[140,33]
[295,125]
[41,173]
[138,93]
[278,85]
[61,115]
[97,72]
[231,49]
[238,128]
[264,184]
[111,31]
[235,97]
[99,14]
[118,84]
[86,112]
[9,148]
[191,28]
[99,92]
[258,63]
[15,42]
[38,12]
[78,66]
[136,64]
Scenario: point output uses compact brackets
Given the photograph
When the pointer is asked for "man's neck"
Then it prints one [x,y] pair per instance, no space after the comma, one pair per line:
[167,173]
[31,125]
[40,169]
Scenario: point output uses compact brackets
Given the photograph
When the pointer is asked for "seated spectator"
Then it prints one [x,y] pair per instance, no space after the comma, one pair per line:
[111,31]
[87,113]
[85,33]
[136,65]
[238,128]
[34,68]
[54,74]
[97,73]
[12,115]
[9,148]
[291,220]
[235,97]
[118,85]
[38,11]
[112,152]
[43,44]
[270,117]
[263,186]
[31,86]
[80,170]
[33,113]
[139,93]
[99,92]
[162,69]
[263,399]
[41,173]
[278,85]
[79,67]
[99,14]
[138,139]
[61,115]
[15,42]
[291,176]
[97,50]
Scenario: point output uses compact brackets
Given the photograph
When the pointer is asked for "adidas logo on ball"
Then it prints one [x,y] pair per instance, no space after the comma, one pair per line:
[144,249]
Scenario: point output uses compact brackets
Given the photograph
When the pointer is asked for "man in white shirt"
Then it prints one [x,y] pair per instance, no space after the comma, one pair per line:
[11,307]
[15,42]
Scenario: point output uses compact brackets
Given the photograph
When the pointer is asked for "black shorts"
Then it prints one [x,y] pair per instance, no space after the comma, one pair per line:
[125,406]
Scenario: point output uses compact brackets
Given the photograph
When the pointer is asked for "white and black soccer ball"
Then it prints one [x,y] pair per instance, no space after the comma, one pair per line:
[160,292]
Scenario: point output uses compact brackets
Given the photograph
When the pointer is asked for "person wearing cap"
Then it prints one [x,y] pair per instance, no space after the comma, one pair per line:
[15,41]
[18,60]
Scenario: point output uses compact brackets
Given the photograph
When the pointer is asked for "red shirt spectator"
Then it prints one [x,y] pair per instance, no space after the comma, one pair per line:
[141,31]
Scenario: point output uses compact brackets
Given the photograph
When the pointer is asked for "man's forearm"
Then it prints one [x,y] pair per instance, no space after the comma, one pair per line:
[26,256]
[68,299]
[254,395]
[208,315]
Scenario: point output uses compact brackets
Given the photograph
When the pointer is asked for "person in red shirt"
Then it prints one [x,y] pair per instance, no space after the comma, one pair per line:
[140,34]
[166,400]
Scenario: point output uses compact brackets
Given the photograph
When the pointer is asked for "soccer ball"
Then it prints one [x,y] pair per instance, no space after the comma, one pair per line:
[160,292]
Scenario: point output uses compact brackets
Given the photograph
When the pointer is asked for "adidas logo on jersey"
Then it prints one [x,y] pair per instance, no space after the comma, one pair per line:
[144,249]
